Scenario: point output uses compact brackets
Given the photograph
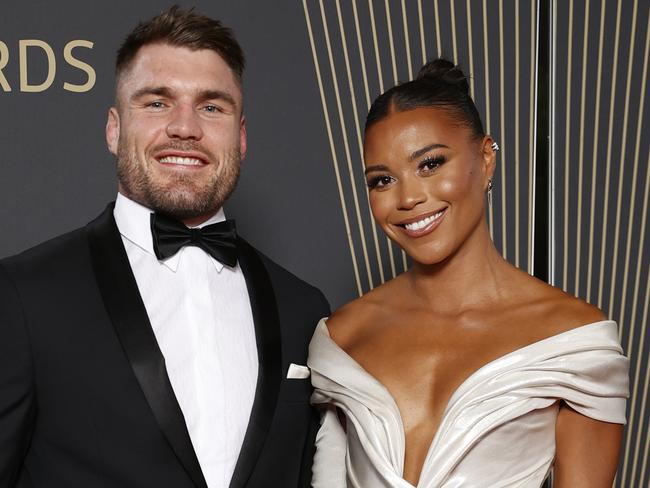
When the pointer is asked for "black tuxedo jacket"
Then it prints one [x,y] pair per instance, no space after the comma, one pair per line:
[85,400]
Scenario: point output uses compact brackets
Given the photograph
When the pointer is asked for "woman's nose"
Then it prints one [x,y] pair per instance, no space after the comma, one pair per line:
[411,193]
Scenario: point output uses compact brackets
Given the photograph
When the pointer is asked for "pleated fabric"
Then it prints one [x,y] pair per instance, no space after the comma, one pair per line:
[498,428]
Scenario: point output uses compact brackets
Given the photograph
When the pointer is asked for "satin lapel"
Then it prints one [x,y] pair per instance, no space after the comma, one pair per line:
[267,333]
[129,316]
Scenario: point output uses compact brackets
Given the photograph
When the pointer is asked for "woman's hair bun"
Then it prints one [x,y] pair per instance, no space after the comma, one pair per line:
[443,70]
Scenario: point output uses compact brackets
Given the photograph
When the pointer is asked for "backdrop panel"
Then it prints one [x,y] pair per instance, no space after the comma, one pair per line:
[601,176]
[362,48]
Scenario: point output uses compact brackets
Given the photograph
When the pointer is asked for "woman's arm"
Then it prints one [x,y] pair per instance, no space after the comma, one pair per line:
[331,448]
[586,451]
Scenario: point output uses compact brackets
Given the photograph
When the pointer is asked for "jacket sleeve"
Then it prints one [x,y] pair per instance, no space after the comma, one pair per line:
[17,402]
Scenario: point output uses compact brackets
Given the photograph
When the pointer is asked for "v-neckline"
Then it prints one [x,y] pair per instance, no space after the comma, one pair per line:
[392,403]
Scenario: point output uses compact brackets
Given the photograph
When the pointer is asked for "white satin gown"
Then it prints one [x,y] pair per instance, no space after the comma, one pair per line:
[498,429]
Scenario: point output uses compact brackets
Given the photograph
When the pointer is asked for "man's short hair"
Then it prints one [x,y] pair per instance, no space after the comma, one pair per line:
[183,28]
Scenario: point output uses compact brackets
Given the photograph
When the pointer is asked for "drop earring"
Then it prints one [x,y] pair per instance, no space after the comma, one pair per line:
[495,147]
[489,192]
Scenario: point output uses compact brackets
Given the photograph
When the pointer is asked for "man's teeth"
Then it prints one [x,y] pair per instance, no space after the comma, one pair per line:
[179,160]
[421,224]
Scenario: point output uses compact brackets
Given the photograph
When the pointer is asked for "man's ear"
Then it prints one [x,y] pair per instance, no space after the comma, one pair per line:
[113,130]
[242,136]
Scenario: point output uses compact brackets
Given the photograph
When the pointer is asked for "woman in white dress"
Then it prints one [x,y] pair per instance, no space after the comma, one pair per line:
[463,371]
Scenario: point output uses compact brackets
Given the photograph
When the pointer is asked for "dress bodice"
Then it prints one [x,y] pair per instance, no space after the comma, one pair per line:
[498,428]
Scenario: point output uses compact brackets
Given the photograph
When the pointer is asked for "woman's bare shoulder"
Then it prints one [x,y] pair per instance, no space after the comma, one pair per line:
[556,311]
[357,318]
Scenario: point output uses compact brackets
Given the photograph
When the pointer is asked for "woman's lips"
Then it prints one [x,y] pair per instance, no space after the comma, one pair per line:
[423,225]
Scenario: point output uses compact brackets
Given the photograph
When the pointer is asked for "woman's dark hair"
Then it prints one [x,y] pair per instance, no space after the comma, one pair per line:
[438,84]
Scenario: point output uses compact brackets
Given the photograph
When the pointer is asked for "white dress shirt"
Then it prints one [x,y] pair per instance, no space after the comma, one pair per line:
[201,316]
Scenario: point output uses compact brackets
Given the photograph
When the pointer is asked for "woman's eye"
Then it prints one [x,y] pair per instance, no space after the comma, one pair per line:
[431,164]
[380,181]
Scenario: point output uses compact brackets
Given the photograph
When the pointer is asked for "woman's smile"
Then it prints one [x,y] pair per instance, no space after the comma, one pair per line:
[422,224]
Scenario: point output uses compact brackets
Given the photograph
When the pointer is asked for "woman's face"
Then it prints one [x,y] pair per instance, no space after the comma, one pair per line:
[427,178]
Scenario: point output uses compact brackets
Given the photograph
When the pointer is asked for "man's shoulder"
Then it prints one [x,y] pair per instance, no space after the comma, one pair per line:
[286,282]
[55,252]
[49,250]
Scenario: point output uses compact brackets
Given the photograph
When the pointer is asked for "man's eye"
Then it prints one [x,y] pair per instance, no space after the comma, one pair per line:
[155,104]
[380,181]
[211,109]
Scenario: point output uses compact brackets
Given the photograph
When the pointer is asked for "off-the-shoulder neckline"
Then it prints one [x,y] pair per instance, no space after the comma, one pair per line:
[322,326]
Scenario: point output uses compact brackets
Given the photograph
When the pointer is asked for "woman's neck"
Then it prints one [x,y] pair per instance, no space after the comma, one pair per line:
[473,276]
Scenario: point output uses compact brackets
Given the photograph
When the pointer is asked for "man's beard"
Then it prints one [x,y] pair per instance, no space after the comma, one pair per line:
[179,195]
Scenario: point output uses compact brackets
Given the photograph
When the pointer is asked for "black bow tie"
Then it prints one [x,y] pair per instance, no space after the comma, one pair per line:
[218,240]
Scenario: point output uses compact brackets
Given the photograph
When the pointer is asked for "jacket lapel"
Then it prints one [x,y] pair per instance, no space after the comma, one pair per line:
[129,316]
[268,337]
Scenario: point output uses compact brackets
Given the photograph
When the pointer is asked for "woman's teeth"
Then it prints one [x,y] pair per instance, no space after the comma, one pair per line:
[179,160]
[421,224]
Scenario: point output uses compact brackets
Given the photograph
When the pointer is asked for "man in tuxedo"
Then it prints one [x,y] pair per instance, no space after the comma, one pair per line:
[154,347]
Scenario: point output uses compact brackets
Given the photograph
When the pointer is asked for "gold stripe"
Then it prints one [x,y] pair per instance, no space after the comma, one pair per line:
[391,43]
[504,250]
[332,148]
[594,155]
[646,449]
[608,166]
[532,157]
[567,145]
[641,249]
[552,148]
[632,325]
[406,40]
[344,134]
[362,61]
[486,67]
[374,40]
[423,44]
[357,207]
[585,45]
[391,256]
[470,48]
[453,30]
[517,171]
[437,15]
[362,56]
[621,171]
[410,70]
[389,27]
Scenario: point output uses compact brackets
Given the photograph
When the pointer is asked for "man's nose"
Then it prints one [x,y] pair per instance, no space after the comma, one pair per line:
[184,124]
[411,193]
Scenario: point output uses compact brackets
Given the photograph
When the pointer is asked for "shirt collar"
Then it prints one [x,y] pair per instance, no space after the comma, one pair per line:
[134,223]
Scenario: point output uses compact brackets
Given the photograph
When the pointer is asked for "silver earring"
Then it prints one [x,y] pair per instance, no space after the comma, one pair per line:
[495,146]
[489,192]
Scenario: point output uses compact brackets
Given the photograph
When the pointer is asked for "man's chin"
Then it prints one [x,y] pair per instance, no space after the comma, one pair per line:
[184,205]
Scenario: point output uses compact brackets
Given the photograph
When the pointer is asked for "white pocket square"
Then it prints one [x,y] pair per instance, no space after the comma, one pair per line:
[297,372]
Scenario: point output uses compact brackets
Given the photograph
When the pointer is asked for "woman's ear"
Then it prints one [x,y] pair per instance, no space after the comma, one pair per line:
[488,150]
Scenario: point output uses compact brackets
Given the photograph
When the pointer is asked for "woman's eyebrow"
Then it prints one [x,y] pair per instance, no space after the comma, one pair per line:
[376,167]
[424,150]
